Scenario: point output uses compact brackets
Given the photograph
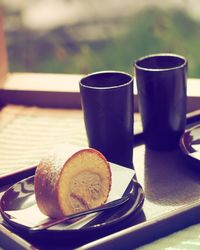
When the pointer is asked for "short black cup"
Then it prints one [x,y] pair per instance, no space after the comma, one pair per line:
[107,103]
[161,83]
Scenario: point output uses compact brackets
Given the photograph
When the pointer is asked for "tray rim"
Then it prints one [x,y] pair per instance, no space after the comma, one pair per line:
[149,228]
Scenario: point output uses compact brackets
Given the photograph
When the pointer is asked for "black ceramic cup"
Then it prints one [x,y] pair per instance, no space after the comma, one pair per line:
[107,103]
[161,84]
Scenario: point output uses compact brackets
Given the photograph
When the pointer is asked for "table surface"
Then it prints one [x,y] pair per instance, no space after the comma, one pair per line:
[15,118]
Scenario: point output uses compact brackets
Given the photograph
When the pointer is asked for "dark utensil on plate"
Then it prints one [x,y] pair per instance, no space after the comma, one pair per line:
[104,207]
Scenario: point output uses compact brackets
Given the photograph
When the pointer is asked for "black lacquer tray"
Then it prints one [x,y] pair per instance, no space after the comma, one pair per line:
[172,202]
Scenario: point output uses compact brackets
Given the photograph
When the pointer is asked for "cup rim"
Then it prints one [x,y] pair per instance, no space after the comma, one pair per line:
[160,55]
[105,72]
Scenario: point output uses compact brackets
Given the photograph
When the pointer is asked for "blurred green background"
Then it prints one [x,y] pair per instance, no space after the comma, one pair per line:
[63,50]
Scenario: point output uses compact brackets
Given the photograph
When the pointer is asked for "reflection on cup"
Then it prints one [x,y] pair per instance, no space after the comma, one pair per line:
[161,83]
[107,103]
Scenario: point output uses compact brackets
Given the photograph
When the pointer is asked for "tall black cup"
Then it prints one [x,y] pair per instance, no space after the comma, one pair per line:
[161,83]
[107,102]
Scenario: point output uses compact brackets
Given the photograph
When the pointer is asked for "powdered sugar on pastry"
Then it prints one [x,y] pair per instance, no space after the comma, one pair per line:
[68,181]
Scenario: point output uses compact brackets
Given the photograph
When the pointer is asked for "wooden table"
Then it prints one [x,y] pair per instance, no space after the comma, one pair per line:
[31,101]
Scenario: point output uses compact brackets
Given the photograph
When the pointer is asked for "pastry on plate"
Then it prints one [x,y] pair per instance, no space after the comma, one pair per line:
[68,181]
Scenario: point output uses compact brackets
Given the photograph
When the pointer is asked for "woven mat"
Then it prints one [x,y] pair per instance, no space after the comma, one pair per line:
[27,133]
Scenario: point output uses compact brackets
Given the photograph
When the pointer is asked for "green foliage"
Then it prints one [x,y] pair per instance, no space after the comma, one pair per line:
[147,32]
[155,31]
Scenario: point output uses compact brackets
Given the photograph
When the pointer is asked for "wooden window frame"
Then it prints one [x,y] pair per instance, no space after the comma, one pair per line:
[62,91]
